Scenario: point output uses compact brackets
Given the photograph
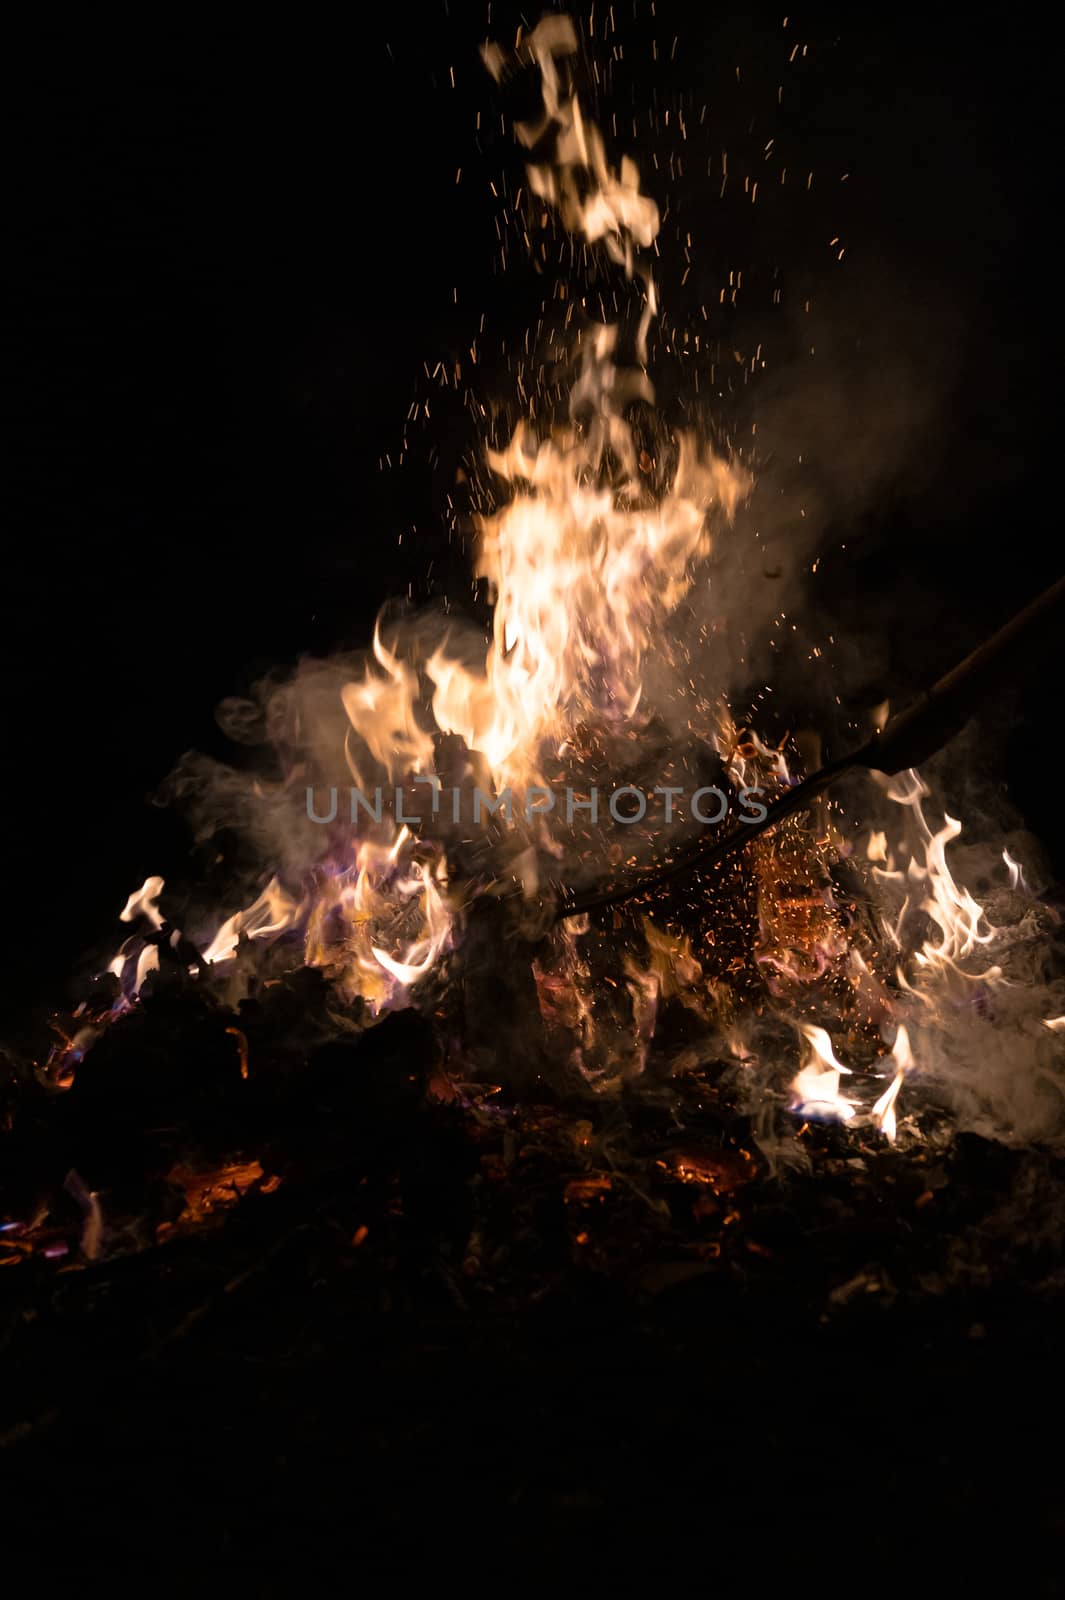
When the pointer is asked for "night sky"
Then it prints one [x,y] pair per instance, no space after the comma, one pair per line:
[241,244]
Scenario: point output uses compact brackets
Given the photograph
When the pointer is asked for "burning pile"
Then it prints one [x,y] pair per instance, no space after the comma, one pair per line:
[438,805]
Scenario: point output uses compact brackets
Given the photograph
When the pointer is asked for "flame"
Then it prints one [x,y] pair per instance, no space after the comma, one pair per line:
[135,953]
[876,849]
[931,888]
[815,1090]
[883,1112]
[269,915]
[584,561]
[1016,872]
[583,576]
[144,902]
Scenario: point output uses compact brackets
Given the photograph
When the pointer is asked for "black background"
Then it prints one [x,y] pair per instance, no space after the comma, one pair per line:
[237,244]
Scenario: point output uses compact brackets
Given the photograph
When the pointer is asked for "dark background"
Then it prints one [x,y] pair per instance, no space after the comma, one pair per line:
[238,243]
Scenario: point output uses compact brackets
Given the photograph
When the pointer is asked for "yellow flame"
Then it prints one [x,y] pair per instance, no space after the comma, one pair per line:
[816,1087]
[883,1112]
[269,915]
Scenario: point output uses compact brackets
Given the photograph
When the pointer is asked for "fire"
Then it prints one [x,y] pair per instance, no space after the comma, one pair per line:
[816,1091]
[269,915]
[582,577]
[589,549]
[585,560]
[883,1112]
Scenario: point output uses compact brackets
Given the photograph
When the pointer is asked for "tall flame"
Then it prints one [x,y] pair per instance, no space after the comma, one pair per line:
[588,551]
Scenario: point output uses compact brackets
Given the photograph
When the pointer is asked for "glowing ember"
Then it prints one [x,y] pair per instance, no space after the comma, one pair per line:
[210,1190]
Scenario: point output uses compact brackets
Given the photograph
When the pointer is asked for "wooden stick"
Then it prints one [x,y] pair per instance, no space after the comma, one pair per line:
[907,739]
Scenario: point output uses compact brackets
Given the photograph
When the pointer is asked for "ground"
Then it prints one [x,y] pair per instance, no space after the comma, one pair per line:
[449,1343]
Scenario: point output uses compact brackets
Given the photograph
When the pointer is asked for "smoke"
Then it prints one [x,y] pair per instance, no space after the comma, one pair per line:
[990,1053]
[292,735]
